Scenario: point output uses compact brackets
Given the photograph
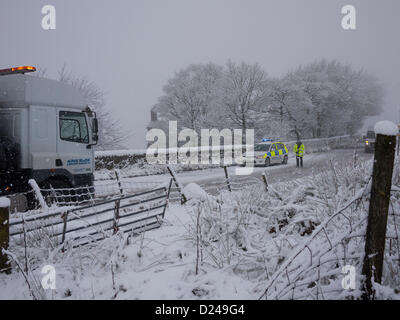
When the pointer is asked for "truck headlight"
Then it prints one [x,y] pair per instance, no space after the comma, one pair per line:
[366,142]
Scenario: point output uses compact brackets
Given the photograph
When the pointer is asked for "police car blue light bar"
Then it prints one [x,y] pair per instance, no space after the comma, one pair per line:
[266,140]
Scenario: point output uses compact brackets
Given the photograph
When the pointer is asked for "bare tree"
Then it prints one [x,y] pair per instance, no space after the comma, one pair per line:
[189,97]
[325,99]
[280,100]
[244,90]
[340,97]
[320,99]
[111,134]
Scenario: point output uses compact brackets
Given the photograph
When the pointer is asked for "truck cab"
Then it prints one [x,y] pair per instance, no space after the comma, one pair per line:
[47,133]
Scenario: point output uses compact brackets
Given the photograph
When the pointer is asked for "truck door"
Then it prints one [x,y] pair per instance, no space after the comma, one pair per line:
[72,142]
[10,124]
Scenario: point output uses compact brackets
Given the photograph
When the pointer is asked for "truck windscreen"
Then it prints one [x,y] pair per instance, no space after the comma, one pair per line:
[73,127]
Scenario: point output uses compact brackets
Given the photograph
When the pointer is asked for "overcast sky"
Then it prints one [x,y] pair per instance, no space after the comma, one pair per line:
[131,48]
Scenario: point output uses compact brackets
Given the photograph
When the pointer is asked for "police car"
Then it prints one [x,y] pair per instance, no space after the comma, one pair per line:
[269,152]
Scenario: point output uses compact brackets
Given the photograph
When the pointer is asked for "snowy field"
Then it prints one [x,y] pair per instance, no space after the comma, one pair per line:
[226,245]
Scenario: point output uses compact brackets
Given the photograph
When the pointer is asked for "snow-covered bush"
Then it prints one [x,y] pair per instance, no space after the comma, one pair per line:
[254,233]
[292,240]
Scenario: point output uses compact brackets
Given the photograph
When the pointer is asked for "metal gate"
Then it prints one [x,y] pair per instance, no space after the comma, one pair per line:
[82,225]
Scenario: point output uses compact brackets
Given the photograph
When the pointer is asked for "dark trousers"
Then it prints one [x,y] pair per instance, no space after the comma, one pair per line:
[299,161]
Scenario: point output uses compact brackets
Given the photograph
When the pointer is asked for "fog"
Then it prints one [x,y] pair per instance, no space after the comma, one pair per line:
[131,48]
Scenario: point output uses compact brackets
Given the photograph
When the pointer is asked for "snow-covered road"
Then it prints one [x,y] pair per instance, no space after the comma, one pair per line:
[313,163]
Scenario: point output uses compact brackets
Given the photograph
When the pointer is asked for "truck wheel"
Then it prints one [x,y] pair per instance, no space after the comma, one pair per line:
[8,155]
[267,162]
[285,160]
[31,201]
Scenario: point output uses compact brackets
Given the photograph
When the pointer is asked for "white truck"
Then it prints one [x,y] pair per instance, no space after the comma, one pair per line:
[47,133]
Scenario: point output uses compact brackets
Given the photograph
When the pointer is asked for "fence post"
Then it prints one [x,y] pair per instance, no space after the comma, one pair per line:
[177,184]
[227,179]
[378,211]
[355,158]
[121,190]
[167,198]
[264,177]
[116,216]
[64,216]
[38,194]
[169,188]
[398,140]
[4,233]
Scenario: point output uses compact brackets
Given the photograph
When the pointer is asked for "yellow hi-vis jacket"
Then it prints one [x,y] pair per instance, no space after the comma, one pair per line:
[299,151]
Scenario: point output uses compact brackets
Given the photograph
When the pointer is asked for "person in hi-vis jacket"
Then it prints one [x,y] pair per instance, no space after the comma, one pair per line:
[298,149]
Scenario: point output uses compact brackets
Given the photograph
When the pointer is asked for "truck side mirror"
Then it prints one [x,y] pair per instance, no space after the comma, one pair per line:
[95,126]
[95,130]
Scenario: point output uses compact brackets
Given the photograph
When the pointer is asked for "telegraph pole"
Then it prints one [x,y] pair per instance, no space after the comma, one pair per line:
[398,139]
[398,135]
